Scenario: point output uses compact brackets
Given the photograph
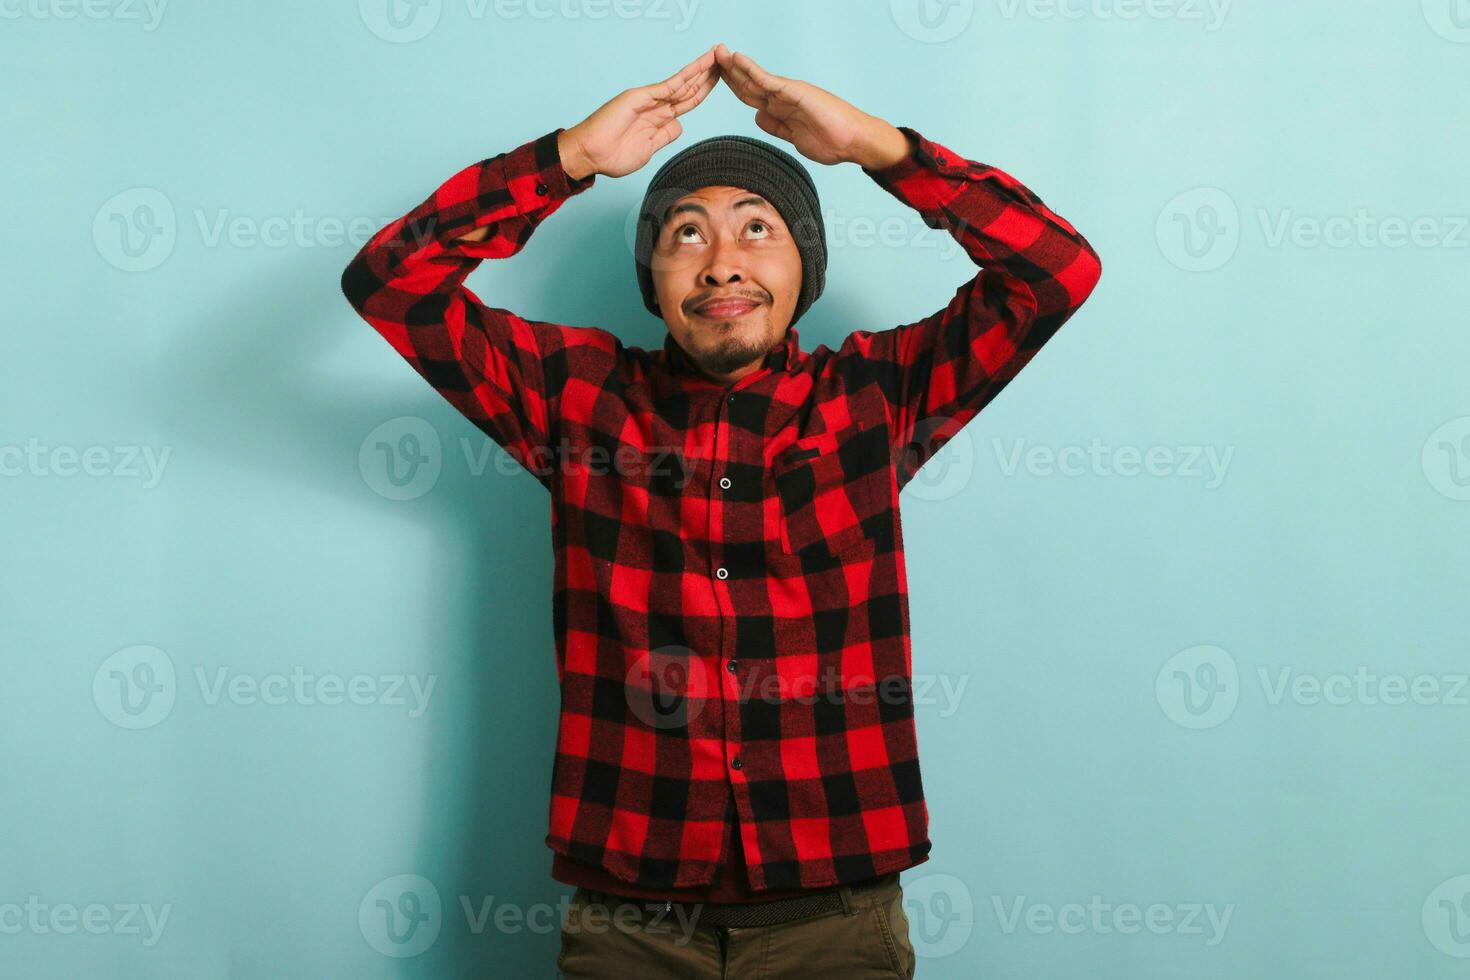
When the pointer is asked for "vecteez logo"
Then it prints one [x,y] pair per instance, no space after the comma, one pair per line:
[941,912]
[1199,230]
[138,687]
[400,21]
[1450,19]
[401,916]
[137,229]
[1198,687]
[146,13]
[135,687]
[1445,459]
[406,21]
[932,21]
[1445,917]
[402,458]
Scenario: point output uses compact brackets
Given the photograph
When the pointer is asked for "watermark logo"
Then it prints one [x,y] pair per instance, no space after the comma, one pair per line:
[1450,19]
[932,21]
[1211,13]
[39,918]
[135,230]
[401,916]
[945,455]
[136,687]
[1362,687]
[406,21]
[147,13]
[400,21]
[1101,918]
[1199,230]
[1446,917]
[941,914]
[409,691]
[1198,687]
[143,463]
[1206,463]
[668,688]
[1362,229]
[1445,458]
[402,458]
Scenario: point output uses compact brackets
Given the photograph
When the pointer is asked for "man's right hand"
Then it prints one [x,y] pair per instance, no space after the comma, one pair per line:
[626,131]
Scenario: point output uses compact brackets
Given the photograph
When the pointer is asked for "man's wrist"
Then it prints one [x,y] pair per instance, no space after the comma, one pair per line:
[573,162]
[888,146]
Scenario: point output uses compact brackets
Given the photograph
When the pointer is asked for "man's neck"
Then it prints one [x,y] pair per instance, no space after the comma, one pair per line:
[731,377]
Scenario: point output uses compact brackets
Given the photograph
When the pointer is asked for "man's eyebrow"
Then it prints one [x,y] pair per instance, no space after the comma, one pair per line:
[755,200]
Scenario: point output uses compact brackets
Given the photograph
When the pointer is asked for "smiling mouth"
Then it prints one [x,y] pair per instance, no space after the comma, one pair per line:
[726,309]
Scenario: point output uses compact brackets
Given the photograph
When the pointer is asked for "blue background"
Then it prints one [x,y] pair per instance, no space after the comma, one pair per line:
[1113,642]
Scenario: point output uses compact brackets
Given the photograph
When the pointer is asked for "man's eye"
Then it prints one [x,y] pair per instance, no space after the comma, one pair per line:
[763,229]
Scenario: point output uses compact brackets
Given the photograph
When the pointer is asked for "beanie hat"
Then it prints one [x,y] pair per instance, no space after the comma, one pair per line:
[738,161]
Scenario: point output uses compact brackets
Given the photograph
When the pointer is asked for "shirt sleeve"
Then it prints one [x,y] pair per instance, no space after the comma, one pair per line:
[501,371]
[1035,271]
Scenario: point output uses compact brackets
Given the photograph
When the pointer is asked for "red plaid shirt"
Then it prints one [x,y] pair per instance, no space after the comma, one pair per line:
[730,599]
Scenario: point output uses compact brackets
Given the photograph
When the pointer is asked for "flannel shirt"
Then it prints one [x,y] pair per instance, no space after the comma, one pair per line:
[729,598]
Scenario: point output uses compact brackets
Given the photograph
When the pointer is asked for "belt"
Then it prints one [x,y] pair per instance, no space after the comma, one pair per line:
[746,914]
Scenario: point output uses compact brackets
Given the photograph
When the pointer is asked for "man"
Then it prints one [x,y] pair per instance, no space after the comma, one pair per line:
[736,767]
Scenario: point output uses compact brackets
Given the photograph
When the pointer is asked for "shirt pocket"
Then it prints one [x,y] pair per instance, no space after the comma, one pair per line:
[828,485]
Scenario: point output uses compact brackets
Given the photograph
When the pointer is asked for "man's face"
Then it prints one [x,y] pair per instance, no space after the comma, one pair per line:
[726,273]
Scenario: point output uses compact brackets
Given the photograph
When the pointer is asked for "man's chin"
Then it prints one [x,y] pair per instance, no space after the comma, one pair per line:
[730,356]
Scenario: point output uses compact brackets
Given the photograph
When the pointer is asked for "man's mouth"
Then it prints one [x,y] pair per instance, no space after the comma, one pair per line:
[725,309]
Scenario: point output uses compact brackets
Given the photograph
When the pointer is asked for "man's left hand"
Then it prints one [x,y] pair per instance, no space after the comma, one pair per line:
[822,127]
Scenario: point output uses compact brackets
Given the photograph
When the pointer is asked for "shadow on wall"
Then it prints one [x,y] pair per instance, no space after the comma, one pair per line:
[253,388]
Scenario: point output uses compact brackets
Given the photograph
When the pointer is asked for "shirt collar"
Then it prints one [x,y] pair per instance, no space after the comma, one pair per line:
[778,358]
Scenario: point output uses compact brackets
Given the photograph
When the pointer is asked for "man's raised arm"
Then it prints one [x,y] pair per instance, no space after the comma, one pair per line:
[1035,271]
[937,373]
[501,371]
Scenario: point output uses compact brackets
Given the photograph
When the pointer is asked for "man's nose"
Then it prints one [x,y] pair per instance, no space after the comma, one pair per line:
[724,262]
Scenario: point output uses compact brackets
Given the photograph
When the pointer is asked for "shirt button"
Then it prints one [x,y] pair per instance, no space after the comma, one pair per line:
[541,189]
[735,763]
[722,572]
[724,483]
[730,665]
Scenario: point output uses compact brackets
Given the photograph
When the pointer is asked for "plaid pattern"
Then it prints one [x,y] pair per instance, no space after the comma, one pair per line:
[729,600]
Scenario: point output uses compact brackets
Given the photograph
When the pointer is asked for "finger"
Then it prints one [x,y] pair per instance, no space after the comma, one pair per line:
[666,134]
[693,98]
[772,125]
[657,97]
[681,77]
[689,93]
[695,88]
[752,91]
[761,78]
[739,83]
[744,88]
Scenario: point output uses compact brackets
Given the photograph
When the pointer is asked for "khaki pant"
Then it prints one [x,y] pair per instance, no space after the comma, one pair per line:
[868,938]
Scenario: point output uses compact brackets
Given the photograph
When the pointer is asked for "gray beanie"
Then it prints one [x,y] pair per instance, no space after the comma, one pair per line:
[738,161]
